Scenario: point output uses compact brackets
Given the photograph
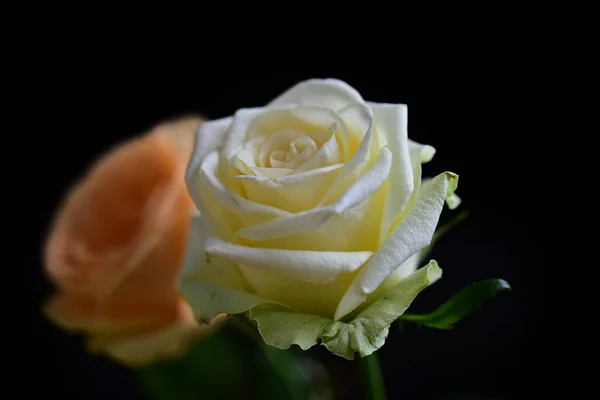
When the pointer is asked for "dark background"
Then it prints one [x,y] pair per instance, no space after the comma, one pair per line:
[497,353]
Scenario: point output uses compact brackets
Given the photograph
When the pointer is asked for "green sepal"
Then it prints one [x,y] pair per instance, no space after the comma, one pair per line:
[364,334]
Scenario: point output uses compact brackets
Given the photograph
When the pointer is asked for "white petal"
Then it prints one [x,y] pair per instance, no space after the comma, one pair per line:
[300,296]
[277,141]
[267,173]
[419,154]
[358,119]
[225,211]
[319,267]
[310,220]
[237,133]
[248,158]
[407,268]
[329,154]
[210,137]
[425,151]
[413,233]
[207,300]
[311,120]
[360,159]
[226,198]
[197,266]
[329,93]
[212,286]
[392,122]
[293,192]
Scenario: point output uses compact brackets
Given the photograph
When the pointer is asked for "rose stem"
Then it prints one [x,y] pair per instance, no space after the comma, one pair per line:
[371,371]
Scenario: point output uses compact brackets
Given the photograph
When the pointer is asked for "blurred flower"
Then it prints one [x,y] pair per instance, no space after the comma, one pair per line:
[116,244]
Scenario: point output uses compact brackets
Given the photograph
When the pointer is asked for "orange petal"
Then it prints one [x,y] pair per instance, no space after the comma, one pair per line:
[113,210]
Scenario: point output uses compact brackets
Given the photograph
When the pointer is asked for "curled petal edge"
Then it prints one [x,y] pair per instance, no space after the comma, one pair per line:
[364,334]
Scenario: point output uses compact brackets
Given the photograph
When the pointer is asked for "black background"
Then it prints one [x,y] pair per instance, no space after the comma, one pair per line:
[498,353]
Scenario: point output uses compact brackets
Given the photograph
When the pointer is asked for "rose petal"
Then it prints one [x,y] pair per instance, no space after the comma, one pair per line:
[413,233]
[328,154]
[328,93]
[294,192]
[238,131]
[212,286]
[312,220]
[82,314]
[280,141]
[407,268]
[358,120]
[227,199]
[210,137]
[419,154]
[267,173]
[391,121]
[170,342]
[228,210]
[251,124]
[320,267]
[356,113]
[425,151]
[245,160]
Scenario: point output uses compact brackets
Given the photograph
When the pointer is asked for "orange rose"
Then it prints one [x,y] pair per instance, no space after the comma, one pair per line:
[116,245]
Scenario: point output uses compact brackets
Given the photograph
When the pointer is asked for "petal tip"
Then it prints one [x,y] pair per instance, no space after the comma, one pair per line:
[434,272]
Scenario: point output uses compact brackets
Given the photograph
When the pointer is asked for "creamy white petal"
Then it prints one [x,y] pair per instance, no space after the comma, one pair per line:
[279,141]
[211,286]
[209,137]
[358,118]
[196,266]
[405,269]
[319,267]
[207,300]
[300,296]
[289,179]
[225,197]
[413,233]
[248,157]
[329,93]
[311,120]
[293,192]
[392,123]
[238,130]
[220,220]
[419,154]
[267,173]
[328,154]
[360,191]
[359,161]
[425,151]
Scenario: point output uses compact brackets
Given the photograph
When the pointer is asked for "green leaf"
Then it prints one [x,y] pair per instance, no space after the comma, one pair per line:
[364,334]
[460,305]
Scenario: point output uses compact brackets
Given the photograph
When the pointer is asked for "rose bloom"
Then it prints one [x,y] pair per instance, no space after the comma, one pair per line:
[312,210]
[116,244]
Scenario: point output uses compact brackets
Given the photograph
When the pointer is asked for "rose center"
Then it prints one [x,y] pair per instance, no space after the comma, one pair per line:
[299,151]
[287,149]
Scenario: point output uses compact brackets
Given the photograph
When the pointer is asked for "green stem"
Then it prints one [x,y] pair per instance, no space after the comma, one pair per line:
[373,379]
[281,361]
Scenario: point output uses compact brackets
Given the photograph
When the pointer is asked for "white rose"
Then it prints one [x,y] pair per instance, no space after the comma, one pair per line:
[311,210]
